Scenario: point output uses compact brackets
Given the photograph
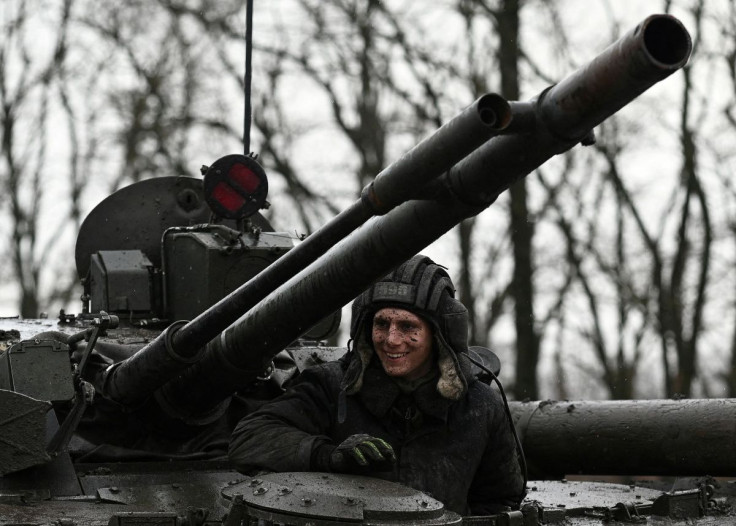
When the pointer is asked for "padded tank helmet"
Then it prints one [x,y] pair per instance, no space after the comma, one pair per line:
[424,288]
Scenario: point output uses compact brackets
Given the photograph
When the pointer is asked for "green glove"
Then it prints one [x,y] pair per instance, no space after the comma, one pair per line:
[360,453]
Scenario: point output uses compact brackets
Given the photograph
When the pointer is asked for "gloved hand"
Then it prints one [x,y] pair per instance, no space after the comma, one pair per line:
[360,453]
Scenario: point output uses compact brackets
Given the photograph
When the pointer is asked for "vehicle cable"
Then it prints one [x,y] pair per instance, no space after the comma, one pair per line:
[520,450]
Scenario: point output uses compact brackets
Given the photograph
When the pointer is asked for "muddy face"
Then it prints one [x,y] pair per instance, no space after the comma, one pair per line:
[403,342]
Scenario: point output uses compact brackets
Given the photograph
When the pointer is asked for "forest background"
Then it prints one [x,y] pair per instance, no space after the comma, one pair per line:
[607,273]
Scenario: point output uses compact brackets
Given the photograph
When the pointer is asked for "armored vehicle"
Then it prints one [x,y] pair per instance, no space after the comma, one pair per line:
[120,414]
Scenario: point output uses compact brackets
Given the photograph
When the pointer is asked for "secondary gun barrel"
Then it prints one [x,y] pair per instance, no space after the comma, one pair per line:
[561,116]
[133,380]
[628,437]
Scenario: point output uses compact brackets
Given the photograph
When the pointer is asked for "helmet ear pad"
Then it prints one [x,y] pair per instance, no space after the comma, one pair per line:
[451,340]
[452,383]
[362,354]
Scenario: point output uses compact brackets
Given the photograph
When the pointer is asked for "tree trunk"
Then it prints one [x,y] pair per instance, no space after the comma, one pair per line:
[522,290]
[465,283]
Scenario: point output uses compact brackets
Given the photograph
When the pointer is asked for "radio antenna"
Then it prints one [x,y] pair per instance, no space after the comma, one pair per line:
[248,74]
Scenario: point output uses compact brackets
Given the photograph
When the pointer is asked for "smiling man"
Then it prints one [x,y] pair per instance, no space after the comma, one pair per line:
[403,342]
[403,405]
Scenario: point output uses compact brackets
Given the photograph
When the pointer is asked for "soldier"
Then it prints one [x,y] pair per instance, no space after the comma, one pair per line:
[402,405]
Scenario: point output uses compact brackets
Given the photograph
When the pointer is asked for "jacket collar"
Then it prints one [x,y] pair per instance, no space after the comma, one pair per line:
[379,393]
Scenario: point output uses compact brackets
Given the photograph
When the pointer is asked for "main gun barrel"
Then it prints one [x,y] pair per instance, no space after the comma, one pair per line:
[557,119]
[628,437]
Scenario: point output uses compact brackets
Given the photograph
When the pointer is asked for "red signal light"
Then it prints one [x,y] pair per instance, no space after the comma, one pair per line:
[235,186]
[227,197]
[244,178]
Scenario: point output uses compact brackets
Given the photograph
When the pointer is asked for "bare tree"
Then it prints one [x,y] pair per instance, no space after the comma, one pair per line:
[28,82]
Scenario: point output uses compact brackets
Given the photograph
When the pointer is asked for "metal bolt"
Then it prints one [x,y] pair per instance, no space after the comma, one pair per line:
[260,491]
[307,501]
[283,491]
[254,482]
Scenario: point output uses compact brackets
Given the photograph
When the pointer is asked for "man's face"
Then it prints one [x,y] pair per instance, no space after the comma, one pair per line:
[403,342]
